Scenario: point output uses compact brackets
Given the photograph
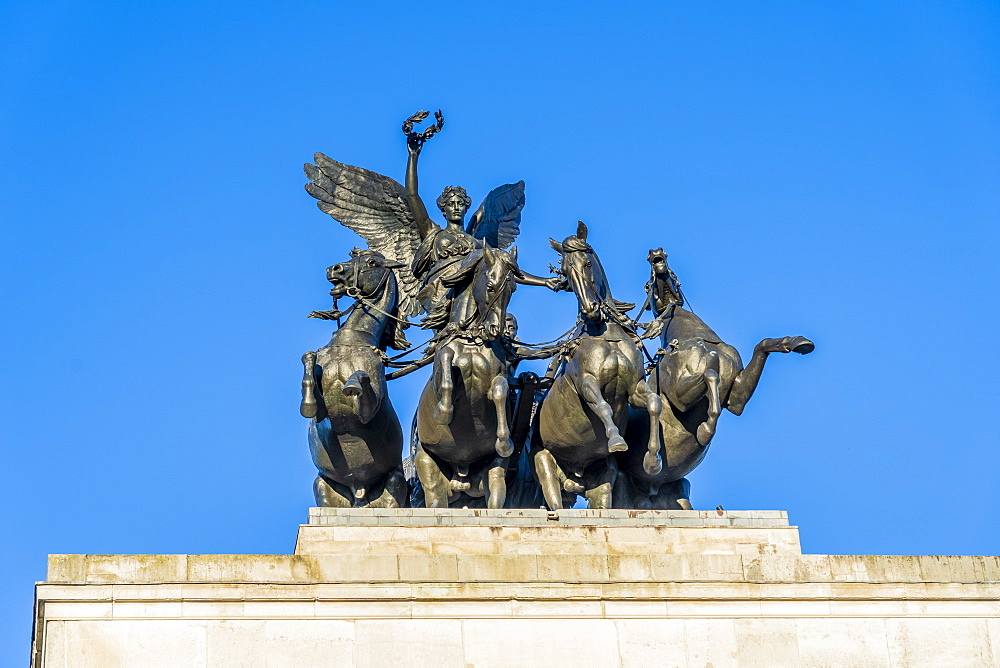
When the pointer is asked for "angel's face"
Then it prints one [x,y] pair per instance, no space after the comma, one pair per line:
[455,208]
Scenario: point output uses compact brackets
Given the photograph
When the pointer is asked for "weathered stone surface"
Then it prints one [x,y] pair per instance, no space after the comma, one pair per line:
[617,590]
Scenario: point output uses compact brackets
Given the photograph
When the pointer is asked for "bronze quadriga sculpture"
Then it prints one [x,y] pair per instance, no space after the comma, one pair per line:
[596,428]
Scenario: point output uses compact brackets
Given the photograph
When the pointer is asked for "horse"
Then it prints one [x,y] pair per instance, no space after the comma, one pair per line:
[697,375]
[581,418]
[355,437]
[463,418]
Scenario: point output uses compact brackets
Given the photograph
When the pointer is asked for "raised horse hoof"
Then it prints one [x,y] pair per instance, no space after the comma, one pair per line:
[705,434]
[651,464]
[617,444]
[505,447]
[798,344]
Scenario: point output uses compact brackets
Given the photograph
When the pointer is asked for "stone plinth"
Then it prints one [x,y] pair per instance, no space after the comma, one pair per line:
[567,533]
[522,588]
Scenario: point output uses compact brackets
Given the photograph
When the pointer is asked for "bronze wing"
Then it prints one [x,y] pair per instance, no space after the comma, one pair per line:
[376,208]
[498,219]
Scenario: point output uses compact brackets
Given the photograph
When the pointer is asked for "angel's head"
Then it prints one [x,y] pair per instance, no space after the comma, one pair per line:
[454,203]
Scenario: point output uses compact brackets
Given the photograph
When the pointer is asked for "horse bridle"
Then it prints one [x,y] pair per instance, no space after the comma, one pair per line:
[354,292]
[497,295]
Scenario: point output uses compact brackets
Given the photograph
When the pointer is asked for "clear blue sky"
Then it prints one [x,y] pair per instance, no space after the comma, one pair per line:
[824,168]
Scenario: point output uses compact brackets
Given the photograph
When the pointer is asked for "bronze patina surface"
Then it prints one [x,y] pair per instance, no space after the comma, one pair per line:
[601,423]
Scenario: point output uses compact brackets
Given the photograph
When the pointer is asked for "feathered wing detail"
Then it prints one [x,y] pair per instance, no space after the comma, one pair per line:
[375,207]
[498,219]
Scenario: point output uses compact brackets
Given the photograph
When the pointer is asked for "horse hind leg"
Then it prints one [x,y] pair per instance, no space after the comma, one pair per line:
[437,487]
[591,392]
[499,391]
[644,397]
[550,478]
[600,484]
[673,496]
[327,496]
[394,491]
[497,483]
[706,430]
[445,408]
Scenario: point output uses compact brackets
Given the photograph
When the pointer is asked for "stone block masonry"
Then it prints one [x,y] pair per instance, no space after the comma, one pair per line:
[522,588]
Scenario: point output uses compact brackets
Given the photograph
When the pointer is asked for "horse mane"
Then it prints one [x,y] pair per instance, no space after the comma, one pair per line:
[392,335]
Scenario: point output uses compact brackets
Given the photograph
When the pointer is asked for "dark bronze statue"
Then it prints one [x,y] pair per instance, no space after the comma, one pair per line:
[440,269]
[581,418]
[696,375]
[354,434]
[483,434]
[463,420]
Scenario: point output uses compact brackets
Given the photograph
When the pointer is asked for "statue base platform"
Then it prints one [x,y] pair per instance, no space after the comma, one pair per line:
[373,587]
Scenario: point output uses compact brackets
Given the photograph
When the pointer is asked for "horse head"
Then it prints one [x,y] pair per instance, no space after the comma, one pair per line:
[492,288]
[663,281]
[368,278]
[582,268]
[365,275]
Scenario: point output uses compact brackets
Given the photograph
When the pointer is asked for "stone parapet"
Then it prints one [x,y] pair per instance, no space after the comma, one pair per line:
[518,588]
[93,569]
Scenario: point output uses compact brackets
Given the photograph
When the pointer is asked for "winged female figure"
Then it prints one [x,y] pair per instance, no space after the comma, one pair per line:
[394,221]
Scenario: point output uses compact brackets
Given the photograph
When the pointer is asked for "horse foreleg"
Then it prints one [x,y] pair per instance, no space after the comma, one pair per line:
[497,483]
[591,393]
[499,390]
[643,397]
[436,485]
[600,484]
[706,430]
[445,386]
[550,478]
[684,381]
[310,406]
[746,381]
[366,402]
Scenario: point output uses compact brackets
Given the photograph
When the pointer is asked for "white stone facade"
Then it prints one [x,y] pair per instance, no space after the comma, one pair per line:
[522,588]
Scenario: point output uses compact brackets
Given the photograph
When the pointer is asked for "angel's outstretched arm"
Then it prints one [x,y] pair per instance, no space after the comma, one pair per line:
[424,223]
[555,283]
